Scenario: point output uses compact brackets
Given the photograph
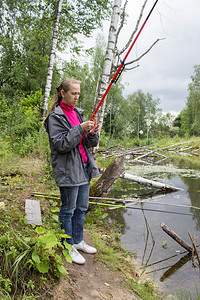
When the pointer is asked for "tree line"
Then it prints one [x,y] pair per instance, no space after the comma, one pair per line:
[25,43]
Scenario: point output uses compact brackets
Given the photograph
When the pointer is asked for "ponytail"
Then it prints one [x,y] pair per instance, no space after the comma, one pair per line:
[56,100]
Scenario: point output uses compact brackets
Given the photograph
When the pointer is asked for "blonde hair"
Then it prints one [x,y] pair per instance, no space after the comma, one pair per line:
[65,85]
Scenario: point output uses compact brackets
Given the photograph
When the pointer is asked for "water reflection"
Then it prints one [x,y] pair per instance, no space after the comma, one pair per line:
[172,269]
[193,187]
[141,230]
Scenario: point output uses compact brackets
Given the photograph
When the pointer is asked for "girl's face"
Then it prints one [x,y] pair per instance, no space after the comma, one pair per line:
[71,97]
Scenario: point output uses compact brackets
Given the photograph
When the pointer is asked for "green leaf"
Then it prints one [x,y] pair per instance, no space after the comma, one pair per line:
[35,257]
[55,209]
[67,246]
[49,239]
[63,235]
[43,267]
[104,215]
[62,269]
[67,256]
[55,217]
[40,230]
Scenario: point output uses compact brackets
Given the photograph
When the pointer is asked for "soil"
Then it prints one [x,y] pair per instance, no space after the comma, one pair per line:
[92,281]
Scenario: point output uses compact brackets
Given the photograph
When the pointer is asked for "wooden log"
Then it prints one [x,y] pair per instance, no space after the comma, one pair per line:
[104,184]
[177,238]
[144,181]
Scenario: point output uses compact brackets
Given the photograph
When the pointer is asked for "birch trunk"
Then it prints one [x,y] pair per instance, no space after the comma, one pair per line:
[51,60]
[144,181]
[103,82]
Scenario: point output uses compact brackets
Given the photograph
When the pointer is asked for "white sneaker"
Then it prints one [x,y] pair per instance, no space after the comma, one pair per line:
[76,256]
[85,248]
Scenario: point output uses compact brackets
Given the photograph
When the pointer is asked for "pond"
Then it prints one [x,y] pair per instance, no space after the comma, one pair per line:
[173,268]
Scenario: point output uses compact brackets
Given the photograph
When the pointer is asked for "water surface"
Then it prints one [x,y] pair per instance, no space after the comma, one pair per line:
[158,255]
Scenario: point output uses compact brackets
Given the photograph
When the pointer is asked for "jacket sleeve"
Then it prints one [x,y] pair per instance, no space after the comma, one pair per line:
[91,140]
[62,136]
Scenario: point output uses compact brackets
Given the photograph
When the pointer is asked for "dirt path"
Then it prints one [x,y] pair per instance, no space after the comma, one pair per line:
[91,281]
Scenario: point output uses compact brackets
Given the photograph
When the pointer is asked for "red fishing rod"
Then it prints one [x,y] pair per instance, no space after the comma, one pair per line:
[120,68]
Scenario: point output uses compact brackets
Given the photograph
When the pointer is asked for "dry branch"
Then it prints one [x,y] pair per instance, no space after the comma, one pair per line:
[194,247]
[149,153]
[135,30]
[175,236]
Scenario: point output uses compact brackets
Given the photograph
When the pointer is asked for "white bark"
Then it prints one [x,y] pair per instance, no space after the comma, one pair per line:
[144,181]
[108,61]
[51,60]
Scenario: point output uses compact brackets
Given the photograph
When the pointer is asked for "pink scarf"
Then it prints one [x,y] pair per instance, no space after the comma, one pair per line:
[74,121]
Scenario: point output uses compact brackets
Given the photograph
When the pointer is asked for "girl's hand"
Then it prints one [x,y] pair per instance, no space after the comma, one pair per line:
[87,125]
[95,127]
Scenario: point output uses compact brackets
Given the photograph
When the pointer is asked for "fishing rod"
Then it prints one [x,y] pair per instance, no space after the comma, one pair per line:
[139,208]
[117,206]
[56,196]
[120,68]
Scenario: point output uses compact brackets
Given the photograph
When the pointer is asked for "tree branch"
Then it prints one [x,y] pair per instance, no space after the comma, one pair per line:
[136,28]
[137,59]
[142,55]
[122,22]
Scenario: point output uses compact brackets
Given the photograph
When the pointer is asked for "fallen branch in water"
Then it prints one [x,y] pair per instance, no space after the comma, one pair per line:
[144,181]
[195,248]
[175,236]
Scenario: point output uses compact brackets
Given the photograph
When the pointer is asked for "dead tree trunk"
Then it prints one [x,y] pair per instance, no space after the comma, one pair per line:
[104,184]
[177,238]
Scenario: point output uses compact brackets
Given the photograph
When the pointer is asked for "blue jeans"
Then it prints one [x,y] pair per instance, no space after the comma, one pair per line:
[75,202]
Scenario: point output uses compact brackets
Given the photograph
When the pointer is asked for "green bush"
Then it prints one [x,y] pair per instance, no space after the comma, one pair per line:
[20,122]
[29,253]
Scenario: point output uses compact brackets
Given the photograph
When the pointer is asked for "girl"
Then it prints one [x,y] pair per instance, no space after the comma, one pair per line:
[73,164]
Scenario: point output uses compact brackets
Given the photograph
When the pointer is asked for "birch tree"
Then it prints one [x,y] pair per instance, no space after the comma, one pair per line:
[108,60]
[51,60]
[113,54]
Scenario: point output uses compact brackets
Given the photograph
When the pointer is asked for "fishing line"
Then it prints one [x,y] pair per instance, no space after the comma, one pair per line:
[139,208]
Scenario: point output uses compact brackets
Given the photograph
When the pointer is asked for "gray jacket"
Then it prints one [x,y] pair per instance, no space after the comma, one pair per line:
[67,164]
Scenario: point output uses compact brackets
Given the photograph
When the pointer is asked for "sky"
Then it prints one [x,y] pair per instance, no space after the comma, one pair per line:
[166,70]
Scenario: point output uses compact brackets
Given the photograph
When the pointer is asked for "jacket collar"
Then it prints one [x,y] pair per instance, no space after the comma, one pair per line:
[59,111]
